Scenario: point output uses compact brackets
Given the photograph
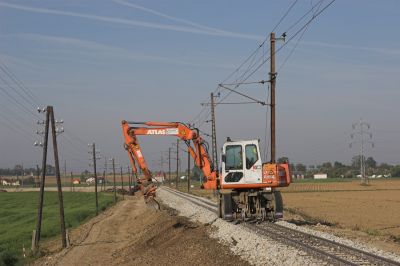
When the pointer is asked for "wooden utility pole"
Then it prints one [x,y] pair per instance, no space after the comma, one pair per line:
[214,134]
[105,169]
[58,177]
[122,183]
[177,163]
[272,77]
[188,173]
[115,188]
[72,183]
[37,179]
[169,166]
[103,184]
[129,179]
[65,170]
[43,179]
[22,174]
[95,176]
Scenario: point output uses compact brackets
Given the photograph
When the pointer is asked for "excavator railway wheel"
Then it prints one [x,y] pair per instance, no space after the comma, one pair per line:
[226,207]
[278,207]
[219,205]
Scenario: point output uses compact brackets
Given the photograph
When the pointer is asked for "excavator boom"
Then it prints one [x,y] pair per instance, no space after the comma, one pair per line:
[196,147]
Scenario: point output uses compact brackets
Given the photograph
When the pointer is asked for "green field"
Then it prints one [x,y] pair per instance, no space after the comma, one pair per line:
[18,214]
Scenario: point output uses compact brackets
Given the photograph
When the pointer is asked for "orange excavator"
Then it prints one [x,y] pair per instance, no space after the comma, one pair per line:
[246,185]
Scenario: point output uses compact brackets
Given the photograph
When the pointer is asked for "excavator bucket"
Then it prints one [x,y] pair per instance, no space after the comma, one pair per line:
[152,203]
[149,197]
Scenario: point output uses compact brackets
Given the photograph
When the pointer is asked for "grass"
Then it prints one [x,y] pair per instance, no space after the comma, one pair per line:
[18,214]
[372,232]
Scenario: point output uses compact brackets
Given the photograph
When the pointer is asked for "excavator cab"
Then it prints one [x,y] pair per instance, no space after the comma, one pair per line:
[241,164]
[242,167]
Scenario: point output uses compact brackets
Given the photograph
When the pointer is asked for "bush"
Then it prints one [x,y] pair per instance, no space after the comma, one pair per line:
[8,257]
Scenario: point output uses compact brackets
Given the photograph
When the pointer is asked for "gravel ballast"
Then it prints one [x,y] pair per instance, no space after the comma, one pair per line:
[252,247]
[343,241]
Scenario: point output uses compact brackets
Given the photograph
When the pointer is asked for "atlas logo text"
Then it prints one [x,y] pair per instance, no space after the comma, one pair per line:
[156,132]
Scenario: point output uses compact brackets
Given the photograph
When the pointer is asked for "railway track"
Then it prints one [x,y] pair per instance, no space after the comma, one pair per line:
[331,252]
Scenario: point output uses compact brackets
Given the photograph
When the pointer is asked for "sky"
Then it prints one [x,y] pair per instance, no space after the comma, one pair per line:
[100,62]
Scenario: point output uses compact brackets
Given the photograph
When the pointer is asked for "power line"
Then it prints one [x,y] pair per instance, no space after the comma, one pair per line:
[19,83]
[14,127]
[26,110]
[29,101]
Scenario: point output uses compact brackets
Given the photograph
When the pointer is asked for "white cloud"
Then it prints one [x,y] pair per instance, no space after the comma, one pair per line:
[12,60]
[136,23]
[176,19]
[107,50]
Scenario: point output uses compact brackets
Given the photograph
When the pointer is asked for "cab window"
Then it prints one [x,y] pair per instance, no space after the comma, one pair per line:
[234,158]
[251,155]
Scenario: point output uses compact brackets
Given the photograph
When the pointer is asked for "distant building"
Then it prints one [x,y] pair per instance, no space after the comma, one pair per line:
[320,176]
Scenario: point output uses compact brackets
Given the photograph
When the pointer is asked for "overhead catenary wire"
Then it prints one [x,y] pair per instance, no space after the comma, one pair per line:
[284,15]
[298,40]
[263,61]
[251,57]
[289,40]
[304,16]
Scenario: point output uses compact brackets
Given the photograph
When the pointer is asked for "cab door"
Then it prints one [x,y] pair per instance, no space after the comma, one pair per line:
[232,166]
[252,167]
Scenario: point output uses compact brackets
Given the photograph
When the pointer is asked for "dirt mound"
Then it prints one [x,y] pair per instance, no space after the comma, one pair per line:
[132,234]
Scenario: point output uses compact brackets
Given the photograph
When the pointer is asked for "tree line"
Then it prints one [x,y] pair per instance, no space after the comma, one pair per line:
[19,170]
[341,170]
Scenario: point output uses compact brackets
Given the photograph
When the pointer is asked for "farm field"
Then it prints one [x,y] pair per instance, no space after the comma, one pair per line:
[342,185]
[18,215]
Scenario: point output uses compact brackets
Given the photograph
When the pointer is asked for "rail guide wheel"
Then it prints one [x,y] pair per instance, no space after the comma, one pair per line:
[278,205]
[225,206]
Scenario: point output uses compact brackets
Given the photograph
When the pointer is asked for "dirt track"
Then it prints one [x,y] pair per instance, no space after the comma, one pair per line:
[132,234]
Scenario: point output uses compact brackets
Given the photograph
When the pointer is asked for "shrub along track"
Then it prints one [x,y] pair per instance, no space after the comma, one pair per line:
[323,249]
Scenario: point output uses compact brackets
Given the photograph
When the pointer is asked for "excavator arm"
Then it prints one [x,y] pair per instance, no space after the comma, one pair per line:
[196,147]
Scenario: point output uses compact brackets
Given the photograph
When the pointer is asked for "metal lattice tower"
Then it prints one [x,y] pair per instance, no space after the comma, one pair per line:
[361,129]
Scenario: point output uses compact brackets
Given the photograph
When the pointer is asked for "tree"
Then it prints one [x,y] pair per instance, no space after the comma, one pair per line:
[283,160]
[18,169]
[338,165]
[327,165]
[300,167]
[84,174]
[395,172]
[370,162]
[50,170]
